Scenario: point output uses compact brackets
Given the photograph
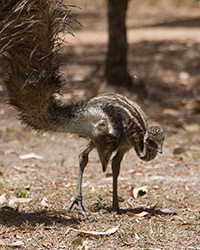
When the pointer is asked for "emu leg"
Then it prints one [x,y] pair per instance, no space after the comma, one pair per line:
[83,160]
[116,169]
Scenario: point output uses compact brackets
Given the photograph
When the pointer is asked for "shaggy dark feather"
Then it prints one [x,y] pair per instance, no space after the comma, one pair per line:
[30,43]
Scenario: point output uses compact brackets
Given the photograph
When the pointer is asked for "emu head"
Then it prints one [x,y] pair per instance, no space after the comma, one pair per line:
[156,138]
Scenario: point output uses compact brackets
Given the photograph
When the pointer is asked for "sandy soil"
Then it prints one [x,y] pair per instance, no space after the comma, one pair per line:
[165,62]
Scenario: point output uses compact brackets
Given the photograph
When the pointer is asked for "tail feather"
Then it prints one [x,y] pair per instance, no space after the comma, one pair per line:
[30,44]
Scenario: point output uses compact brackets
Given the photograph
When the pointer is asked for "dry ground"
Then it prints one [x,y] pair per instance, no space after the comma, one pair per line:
[164,57]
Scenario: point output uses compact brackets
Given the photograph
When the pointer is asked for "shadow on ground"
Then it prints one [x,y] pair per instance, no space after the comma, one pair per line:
[151,211]
[12,217]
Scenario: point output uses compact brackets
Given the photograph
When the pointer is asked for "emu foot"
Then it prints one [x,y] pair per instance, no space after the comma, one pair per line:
[78,201]
[118,211]
[116,208]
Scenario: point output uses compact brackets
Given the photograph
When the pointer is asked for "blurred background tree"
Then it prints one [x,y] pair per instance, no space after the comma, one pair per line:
[116,61]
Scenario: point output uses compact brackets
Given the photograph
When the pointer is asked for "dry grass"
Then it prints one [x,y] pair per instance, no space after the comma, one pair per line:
[172,201]
[172,214]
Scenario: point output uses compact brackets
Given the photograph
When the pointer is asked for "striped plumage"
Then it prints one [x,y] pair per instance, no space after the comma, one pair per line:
[129,124]
[123,126]
[29,43]
[128,120]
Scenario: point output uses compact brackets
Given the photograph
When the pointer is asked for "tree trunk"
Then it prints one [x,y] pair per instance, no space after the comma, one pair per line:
[116,62]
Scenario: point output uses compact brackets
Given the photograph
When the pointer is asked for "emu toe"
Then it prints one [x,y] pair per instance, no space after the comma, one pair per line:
[78,201]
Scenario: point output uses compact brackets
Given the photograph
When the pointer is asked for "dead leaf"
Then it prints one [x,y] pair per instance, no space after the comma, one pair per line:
[18,200]
[17,243]
[193,104]
[140,191]
[78,78]
[178,151]
[109,174]
[48,244]
[78,241]
[2,243]
[9,151]
[120,199]
[137,236]
[171,112]
[20,170]
[94,233]
[168,211]
[188,224]
[174,123]
[29,156]
[44,202]
[187,152]
[156,186]
[192,127]
[2,198]
[142,214]
[183,75]
[24,228]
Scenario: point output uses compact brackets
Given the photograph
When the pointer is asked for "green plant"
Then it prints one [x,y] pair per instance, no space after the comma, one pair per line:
[21,194]
[61,162]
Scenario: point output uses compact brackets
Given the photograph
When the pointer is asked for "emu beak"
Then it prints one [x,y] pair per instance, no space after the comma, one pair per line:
[156,146]
[159,148]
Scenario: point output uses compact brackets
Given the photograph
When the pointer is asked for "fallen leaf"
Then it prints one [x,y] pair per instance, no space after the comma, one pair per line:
[168,211]
[187,152]
[109,174]
[178,151]
[2,198]
[192,127]
[9,151]
[176,124]
[2,243]
[18,200]
[78,78]
[44,202]
[29,156]
[193,105]
[17,243]
[140,191]
[85,244]
[74,226]
[142,214]
[120,198]
[78,241]
[24,228]
[183,75]
[188,224]
[171,112]
[48,244]
[21,170]
[94,233]
[137,236]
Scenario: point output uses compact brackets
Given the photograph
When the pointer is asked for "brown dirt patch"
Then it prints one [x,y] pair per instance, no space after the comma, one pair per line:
[166,62]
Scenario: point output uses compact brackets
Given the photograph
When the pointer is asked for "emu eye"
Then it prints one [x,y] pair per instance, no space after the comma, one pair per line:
[102,125]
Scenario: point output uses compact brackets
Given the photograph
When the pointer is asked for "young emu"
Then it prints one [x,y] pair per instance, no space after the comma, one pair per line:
[121,124]
[29,43]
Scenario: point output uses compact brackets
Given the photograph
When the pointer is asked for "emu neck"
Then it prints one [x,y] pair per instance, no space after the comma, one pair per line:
[79,119]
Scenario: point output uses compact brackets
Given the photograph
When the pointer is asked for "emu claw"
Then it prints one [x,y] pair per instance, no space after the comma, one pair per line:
[78,201]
